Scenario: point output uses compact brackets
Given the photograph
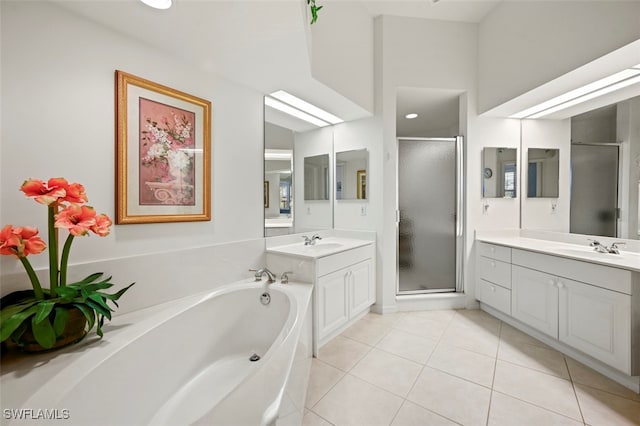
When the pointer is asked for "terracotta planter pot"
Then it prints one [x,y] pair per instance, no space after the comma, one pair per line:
[74,331]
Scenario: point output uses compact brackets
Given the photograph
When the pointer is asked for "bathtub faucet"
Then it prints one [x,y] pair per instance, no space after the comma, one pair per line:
[271,278]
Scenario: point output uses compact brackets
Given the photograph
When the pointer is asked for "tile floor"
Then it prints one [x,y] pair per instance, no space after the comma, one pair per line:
[456,367]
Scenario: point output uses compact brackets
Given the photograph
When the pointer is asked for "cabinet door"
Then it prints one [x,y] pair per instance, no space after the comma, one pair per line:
[534,299]
[362,288]
[333,309]
[597,322]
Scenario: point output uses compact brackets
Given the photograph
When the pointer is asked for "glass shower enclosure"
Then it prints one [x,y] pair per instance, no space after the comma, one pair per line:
[429,217]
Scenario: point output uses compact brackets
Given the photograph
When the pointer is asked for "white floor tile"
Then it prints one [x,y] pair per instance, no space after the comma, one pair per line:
[544,390]
[604,409]
[312,419]
[462,363]
[586,376]
[512,335]
[343,353]
[421,326]
[407,345]
[322,378]
[546,360]
[476,339]
[454,398]
[387,371]
[355,402]
[508,411]
[411,414]
[367,332]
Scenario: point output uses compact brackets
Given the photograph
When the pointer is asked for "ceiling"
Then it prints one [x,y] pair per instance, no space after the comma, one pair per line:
[262,44]
[437,112]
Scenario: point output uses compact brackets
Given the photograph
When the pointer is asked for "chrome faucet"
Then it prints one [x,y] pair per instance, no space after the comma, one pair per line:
[614,247]
[311,241]
[601,248]
[598,246]
[271,278]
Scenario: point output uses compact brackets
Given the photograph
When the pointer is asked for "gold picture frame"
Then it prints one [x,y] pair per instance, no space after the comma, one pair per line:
[163,153]
[361,191]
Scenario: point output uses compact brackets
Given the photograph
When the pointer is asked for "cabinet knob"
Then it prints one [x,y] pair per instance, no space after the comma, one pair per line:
[493,288]
[493,249]
[552,282]
[493,264]
[560,285]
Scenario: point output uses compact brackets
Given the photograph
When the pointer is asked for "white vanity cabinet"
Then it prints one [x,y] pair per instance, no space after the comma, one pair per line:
[345,289]
[535,299]
[583,305]
[345,281]
[494,277]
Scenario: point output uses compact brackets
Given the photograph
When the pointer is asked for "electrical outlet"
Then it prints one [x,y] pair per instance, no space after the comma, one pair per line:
[363,210]
[308,210]
[554,208]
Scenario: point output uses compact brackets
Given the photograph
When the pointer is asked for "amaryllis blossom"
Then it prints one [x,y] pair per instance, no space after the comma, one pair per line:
[101,228]
[77,219]
[55,190]
[20,241]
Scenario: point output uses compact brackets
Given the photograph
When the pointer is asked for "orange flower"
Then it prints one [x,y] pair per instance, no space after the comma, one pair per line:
[45,193]
[55,190]
[21,241]
[101,228]
[77,219]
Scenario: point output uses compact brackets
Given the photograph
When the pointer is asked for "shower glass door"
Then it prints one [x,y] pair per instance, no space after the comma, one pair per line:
[429,206]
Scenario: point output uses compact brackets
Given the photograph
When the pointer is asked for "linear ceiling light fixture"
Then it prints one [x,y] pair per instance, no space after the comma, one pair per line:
[305,106]
[288,109]
[158,4]
[582,94]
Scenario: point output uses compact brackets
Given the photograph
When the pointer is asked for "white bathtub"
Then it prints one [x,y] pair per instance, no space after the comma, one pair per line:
[186,362]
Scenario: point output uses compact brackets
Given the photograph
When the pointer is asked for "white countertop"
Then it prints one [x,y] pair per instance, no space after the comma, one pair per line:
[626,259]
[322,248]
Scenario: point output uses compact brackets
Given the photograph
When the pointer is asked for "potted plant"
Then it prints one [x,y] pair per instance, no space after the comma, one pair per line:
[43,319]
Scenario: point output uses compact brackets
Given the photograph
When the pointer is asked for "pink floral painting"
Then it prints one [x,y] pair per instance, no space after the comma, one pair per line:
[167,148]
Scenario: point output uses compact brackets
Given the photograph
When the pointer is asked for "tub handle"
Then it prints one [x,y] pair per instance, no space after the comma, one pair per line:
[284,278]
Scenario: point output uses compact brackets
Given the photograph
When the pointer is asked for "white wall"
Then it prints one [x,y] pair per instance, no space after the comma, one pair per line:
[344,35]
[524,44]
[539,213]
[58,120]
[312,214]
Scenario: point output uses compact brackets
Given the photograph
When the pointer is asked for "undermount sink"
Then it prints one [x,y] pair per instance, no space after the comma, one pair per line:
[324,246]
[586,252]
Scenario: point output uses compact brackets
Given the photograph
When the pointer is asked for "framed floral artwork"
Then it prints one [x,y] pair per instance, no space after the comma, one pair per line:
[163,153]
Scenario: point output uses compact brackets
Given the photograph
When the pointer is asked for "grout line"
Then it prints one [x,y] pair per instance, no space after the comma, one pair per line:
[495,368]
[573,386]
[537,406]
[332,424]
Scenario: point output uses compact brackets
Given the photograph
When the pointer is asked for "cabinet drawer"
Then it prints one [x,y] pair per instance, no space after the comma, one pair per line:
[495,271]
[328,264]
[494,251]
[494,296]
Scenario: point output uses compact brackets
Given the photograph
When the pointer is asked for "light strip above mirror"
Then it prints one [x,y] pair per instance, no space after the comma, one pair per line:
[305,106]
[288,109]
[592,90]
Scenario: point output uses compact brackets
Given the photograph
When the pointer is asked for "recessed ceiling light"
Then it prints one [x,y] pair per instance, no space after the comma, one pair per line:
[305,106]
[411,116]
[158,4]
[288,109]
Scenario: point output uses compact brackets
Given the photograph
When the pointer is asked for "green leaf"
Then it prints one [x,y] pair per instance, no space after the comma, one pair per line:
[100,300]
[99,309]
[115,296]
[91,278]
[67,292]
[60,321]
[44,309]
[100,324]
[97,286]
[14,309]
[88,313]
[15,336]
[10,324]
[43,332]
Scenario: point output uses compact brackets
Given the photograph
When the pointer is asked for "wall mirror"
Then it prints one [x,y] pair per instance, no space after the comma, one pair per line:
[287,143]
[543,172]
[499,172]
[316,177]
[351,174]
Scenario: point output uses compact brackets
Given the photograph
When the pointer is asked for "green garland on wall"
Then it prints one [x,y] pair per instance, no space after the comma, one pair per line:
[314,10]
